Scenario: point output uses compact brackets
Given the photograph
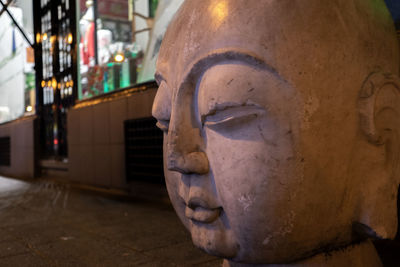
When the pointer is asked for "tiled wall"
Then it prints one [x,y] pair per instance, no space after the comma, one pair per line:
[21,133]
[96,138]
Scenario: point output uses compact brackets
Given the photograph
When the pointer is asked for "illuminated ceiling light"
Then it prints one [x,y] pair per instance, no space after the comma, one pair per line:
[119,57]
[70,38]
[44,36]
[71,83]
[38,37]
[29,108]
[54,83]
[43,84]
[48,83]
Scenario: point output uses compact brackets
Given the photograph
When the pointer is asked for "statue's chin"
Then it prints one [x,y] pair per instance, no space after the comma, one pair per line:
[214,239]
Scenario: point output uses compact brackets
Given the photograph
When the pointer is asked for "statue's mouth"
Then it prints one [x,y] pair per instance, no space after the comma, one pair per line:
[199,211]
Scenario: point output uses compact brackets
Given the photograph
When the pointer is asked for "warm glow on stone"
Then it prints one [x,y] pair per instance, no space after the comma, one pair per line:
[219,11]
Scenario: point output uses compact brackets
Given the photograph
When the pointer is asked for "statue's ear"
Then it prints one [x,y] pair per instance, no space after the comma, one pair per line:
[379,107]
[379,110]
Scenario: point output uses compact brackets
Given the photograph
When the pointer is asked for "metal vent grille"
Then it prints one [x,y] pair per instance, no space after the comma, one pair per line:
[5,151]
[143,151]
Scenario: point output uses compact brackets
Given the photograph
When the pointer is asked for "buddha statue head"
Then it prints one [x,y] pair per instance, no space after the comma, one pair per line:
[281,125]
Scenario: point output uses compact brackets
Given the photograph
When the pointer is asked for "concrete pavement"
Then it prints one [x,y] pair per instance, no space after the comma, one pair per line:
[44,223]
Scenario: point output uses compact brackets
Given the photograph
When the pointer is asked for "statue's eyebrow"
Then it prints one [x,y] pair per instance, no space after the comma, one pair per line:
[222,56]
[228,56]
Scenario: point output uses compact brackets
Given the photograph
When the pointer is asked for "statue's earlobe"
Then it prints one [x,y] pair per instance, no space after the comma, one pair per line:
[379,110]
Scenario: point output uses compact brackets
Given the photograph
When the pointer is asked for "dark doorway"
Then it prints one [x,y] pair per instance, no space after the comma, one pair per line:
[144,151]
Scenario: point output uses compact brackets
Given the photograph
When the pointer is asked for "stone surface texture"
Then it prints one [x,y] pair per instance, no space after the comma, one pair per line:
[281,127]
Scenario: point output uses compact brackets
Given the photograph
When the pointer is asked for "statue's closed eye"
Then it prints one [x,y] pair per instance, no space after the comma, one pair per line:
[229,115]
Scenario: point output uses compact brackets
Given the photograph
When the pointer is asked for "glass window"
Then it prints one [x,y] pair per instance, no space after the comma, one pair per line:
[17,76]
[394,8]
[129,35]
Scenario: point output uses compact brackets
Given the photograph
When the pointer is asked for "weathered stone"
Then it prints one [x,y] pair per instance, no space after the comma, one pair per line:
[281,122]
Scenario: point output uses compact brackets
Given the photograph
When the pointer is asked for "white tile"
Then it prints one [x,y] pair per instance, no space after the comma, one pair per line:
[73,127]
[85,125]
[4,130]
[101,123]
[86,174]
[118,114]
[118,166]
[74,162]
[17,136]
[29,134]
[102,163]
[30,162]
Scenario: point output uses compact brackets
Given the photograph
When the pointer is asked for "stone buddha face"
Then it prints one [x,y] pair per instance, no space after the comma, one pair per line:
[279,122]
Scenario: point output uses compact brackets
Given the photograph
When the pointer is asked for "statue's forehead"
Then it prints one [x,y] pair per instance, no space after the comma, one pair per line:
[203,27]
[291,36]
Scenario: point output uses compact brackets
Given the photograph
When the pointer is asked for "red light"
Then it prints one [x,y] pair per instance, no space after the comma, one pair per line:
[55,141]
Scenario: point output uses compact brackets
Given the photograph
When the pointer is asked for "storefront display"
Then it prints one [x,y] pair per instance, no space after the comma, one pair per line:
[56,77]
[119,41]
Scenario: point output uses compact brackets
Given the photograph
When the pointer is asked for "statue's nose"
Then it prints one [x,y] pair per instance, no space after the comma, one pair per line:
[183,154]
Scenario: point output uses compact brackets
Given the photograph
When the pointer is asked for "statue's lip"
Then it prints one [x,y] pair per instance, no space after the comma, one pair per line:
[202,215]
[200,211]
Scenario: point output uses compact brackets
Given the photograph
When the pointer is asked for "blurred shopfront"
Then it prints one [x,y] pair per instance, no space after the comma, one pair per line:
[87,75]
[17,88]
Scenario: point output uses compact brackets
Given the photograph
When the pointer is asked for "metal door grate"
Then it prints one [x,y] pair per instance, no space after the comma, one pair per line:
[5,151]
[143,151]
